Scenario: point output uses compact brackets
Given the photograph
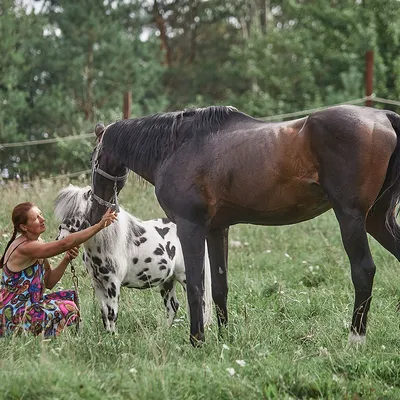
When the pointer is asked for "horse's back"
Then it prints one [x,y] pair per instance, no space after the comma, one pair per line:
[270,173]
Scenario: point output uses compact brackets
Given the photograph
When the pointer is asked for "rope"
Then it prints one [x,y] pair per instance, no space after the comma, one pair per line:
[385,101]
[75,281]
[70,175]
[46,141]
[311,110]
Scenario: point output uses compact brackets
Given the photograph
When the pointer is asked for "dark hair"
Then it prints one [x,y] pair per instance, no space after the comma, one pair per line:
[19,216]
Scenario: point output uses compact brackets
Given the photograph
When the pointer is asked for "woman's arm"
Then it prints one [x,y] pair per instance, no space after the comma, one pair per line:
[36,249]
[52,276]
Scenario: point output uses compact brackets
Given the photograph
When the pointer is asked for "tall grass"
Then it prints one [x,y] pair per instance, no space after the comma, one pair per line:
[290,304]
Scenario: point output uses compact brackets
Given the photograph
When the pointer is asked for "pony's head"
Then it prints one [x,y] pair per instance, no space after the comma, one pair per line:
[72,225]
[71,207]
[109,176]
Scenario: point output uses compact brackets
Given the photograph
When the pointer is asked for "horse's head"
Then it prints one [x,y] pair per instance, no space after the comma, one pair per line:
[108,178]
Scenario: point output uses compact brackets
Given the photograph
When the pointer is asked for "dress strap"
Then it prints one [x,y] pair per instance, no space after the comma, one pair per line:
[15,248]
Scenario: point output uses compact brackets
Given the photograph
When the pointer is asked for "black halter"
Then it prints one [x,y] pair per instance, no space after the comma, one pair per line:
[115,179]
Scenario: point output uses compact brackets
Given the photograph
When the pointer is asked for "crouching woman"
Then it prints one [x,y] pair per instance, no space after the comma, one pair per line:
[26,273]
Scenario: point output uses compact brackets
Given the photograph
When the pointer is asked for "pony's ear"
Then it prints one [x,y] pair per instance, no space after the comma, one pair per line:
[99,129]
[87,194]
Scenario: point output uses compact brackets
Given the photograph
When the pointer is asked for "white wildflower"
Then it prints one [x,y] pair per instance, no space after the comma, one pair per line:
[133,371]
[242,363]
[230,371]
[225,347]
[287,255]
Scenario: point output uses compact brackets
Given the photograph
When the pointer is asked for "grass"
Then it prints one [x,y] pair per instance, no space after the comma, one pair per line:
[290,304]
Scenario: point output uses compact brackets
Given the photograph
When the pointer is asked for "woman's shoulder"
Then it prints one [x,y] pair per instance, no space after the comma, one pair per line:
[10,261]
[14,245]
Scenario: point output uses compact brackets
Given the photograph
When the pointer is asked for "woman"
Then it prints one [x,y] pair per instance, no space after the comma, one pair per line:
[26,273]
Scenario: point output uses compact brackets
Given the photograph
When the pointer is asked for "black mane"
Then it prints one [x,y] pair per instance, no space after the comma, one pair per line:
[146,139]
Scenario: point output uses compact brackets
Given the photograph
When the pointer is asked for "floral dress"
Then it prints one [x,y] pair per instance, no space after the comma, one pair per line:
[24,307]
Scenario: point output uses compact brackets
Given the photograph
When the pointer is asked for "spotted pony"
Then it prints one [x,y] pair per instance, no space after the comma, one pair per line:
[131,252]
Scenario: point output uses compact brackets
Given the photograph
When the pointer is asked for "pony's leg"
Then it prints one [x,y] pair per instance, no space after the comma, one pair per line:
[108,296]
[354,236]
[168,293]
[217,241]
[192,237]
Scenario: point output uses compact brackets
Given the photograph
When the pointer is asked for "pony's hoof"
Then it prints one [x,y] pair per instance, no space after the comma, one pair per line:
[197,340]
[357,340]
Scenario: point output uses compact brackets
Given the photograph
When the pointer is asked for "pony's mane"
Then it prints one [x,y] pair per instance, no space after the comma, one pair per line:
[71,201]
[148,138]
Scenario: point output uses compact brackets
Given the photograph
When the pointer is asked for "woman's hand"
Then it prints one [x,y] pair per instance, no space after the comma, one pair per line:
[108,218]
[72,254]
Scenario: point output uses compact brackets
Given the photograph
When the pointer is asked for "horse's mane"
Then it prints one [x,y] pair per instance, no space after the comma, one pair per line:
[71,201]
[148,138]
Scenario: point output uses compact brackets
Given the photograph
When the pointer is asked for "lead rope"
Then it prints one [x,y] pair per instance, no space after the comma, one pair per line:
[75,281]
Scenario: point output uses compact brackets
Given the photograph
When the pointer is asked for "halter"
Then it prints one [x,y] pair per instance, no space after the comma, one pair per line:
[115,179]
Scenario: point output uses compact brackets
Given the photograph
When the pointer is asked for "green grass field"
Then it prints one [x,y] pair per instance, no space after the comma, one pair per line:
[290,305]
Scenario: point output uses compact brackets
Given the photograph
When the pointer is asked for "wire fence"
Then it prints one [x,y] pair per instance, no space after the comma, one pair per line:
[277,117]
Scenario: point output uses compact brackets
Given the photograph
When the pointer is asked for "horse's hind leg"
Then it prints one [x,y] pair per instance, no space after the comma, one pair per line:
[168,293]
[345,153]
[354,236]
[217,241]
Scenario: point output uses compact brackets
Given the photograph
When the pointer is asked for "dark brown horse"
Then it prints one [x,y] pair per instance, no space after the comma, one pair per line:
[214,167]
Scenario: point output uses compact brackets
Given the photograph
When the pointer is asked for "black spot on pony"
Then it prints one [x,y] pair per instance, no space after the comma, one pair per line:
[214,167]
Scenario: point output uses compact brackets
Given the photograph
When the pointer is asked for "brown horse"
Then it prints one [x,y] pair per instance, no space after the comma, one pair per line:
[214,167]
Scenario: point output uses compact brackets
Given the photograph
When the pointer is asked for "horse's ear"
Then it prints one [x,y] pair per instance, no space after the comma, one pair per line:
[99,130]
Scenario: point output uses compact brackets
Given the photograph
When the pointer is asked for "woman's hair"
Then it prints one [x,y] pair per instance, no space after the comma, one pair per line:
[19,216]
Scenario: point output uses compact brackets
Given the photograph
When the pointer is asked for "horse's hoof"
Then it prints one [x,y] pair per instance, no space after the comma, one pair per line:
[355,339]
[197,340]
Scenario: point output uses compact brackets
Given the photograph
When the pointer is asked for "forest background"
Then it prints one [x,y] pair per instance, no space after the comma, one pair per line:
[66,65]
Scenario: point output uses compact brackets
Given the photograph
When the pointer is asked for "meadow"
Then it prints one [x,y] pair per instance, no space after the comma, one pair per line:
[290,305]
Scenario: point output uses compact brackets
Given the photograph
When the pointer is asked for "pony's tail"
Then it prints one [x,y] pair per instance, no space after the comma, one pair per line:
[207,299]
[391,186]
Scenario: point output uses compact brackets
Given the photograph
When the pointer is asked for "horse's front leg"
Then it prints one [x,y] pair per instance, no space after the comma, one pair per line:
[217,241]
[192,237]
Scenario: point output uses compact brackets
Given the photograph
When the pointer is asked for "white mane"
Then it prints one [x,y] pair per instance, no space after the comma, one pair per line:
[71,201]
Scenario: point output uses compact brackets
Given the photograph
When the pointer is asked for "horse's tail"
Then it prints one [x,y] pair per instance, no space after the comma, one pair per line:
[207,299]
[391,186]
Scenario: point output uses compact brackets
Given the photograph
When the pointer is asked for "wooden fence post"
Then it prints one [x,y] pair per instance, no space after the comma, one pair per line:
[369,76]
[127,104]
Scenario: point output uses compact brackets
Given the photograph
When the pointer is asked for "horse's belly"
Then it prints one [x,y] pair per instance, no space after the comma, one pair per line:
[288,204]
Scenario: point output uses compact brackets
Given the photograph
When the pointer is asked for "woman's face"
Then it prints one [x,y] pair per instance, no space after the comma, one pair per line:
[36,222]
